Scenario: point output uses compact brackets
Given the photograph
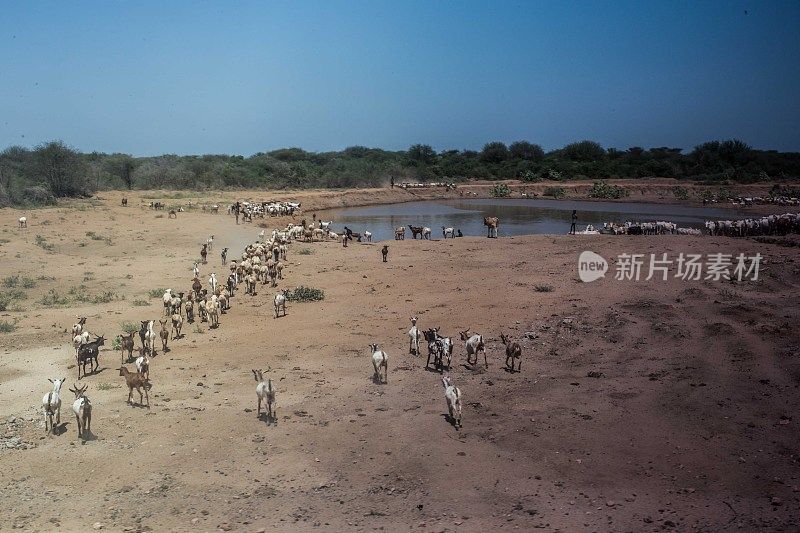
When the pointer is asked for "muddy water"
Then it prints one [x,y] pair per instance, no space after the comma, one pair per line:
[517,216]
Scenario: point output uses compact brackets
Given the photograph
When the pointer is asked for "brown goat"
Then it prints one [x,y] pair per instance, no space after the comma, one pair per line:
[164,334]
[137,381]
[127,346]
[513,351]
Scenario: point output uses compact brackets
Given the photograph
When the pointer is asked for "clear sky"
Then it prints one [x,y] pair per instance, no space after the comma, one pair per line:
[243,77]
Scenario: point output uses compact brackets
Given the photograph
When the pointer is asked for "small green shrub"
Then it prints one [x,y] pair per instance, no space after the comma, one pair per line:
[7,327]
[155,293]
[500,190]
[105,386]
[42,243]
[601,189]
[128,327]
[555,192]
[28,283]
[140,303]
[11,281]
[681,193]
[544,288]
[116,344]
[305,294]
[53,299]
[305,251]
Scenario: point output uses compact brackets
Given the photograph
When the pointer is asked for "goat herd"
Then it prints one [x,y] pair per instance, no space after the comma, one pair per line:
[263,261]
[260,261]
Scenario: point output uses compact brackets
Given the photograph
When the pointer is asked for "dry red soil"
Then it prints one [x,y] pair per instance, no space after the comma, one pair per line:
[641,406]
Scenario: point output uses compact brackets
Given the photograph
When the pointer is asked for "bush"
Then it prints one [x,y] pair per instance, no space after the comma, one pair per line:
[11,281]
[681,193]
[129,327]
[4,301]
[601,189]
[155,293]
[500,191]
[305,294]
[544,288]
[52,299]
[42,243]
[28,283]
[555,192]
[7,327]
[305,251]
[140,303]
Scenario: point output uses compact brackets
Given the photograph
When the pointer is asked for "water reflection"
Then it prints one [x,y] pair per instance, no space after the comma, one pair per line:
[517,216]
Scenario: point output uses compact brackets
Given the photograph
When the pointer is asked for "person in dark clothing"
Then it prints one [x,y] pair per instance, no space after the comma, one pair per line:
[348,233]
[459,234]
[385,252]
[573,227]
[391,181]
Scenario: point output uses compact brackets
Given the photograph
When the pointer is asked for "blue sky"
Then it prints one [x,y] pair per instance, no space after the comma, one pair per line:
[242,77]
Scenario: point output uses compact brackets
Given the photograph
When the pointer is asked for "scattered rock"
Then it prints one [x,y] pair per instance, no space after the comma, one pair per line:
[97,525]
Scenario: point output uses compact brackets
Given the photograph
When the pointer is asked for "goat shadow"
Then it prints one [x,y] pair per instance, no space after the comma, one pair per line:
[450,421]
[511,370]
[179,337]
[94,372]
[436,369]
[269,420]
[88,436]
[377,380]
[59,429]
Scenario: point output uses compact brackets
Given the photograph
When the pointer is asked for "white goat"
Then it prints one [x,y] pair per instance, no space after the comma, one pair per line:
[212,281]
[83,411]
[368,236]
[453,396]
[143,365]
[23,222]
[149,338]
[210,242]
[77,328]
[265,391]
[474,345]
[280,302]
[79,340]
[448,232]
[413,337]
[167,301]
[51,405]
[196,270]
[380,359]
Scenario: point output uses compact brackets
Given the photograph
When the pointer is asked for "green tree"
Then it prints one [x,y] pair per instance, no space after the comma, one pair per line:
[121,166]
[494,152]
[526,150]
[61,168]
[584,151]
[422,154]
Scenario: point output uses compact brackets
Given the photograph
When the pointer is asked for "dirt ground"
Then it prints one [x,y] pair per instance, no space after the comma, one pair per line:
[641,406]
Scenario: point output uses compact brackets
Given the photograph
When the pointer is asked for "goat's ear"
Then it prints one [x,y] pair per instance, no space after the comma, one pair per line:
[50,380]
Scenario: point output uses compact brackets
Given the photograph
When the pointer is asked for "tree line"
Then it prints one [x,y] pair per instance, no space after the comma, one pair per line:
[53,169]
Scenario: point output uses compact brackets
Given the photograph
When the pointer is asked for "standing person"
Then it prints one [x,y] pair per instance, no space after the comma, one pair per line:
[574,222]
[385,252]
[348,233]
[391,181]
[204,253]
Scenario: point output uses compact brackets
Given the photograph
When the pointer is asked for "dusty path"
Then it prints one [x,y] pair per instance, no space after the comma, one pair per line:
[690,426]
